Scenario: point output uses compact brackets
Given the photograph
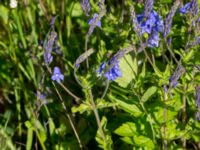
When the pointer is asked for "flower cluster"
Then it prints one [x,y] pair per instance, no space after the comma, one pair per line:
[170,15]
[49,46]
[113,71]
[153,24]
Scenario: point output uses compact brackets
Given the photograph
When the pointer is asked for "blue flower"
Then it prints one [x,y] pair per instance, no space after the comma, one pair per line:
[185,8]
[151,25]
[57,75]
[153,41]
[93,20]
[152,22]
[101,68]
[114,72]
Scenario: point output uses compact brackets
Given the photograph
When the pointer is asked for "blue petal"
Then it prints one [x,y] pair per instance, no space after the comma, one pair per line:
[185,8]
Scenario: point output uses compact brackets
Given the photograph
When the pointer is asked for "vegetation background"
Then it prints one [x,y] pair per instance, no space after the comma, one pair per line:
[153,105]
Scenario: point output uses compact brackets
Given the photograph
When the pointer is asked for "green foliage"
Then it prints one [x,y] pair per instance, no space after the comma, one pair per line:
[139,110]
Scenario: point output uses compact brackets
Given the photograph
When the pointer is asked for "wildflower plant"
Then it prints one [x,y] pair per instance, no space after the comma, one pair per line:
[99,74]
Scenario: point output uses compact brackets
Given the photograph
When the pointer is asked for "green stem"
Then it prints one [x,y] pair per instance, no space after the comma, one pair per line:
[106,89]
[96,114]
[150,121]
[68,116]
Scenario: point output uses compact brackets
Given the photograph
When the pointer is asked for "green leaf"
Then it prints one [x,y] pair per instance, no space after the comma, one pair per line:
[158,72]
[126,129]
[28,124]
[129,70]
[76,10]
[107,143]
[81,108]
[159,116]
[101,103]
[24,71]
[144,142]
[4,13]
[128,140]
[150,92]
[29,139]
[143,73]
[130,108]
[174,131]
[188,56]
[51,126]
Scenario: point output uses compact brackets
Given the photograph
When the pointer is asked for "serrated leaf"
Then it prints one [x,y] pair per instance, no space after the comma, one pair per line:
[126,129]
[143,141]
[150,92]
[128,67]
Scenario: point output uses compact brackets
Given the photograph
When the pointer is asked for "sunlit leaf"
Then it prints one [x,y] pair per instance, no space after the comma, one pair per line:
[128,68]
